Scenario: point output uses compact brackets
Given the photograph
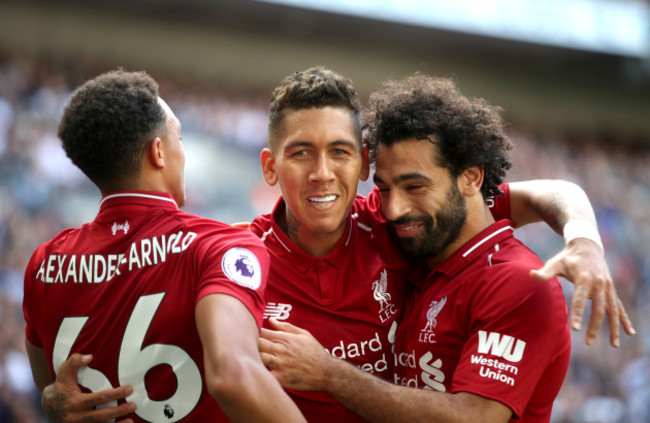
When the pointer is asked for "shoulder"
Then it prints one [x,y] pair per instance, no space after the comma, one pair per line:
[218,234]
[63,235]
[44,250]
[507,275]
[505,295]
[261,224]
[514,255]
[57,240]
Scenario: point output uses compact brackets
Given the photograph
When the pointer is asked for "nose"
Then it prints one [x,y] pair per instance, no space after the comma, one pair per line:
[394,205]
[323,169]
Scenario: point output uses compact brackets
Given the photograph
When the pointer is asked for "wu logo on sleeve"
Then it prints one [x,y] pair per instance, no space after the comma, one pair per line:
[505,346]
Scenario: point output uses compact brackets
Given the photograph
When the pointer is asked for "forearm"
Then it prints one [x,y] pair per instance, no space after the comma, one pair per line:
[379,401]
[553,201]
[299,362]
[40,368]
[564,206]
[250,393]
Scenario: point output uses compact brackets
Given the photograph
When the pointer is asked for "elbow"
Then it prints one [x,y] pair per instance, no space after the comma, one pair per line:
[225,380]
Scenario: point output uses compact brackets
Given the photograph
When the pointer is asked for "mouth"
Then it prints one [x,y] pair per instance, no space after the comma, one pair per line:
[407,230]
[409,226]
[322,200]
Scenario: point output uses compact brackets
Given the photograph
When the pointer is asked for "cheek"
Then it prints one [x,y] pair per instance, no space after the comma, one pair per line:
[293,177]
[350,173]
[289,189]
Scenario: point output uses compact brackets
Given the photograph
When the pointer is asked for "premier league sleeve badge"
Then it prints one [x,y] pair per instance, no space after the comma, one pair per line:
[241,266]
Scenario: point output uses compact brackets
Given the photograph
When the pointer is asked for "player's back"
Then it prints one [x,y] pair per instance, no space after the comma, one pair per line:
[124,288]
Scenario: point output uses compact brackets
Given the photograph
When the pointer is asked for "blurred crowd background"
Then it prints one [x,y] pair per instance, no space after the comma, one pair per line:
[224,128]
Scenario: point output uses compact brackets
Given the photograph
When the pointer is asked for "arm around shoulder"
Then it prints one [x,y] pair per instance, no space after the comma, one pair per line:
[565,207]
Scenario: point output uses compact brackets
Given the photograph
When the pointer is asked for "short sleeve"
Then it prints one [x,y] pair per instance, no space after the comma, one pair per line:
[29,307]
[235,264]
[518,339]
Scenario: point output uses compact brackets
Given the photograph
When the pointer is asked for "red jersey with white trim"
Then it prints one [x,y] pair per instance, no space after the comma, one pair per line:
[124,288]
[349,299]
[479,323]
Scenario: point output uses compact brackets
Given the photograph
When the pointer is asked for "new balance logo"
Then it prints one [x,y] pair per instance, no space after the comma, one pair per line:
[505,346]
[279,311]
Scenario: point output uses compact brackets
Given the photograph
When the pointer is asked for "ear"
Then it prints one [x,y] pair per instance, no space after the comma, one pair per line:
[267,159]
[365,165]
[156,153]
[471,180]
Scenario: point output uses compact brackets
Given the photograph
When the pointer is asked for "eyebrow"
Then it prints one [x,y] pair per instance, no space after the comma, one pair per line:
[294,144]
[401,178]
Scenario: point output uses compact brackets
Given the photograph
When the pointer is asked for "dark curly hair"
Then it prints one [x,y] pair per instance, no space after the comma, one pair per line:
[468,132]
[316,87]
[108,122]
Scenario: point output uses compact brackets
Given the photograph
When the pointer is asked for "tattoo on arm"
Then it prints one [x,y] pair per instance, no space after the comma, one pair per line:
[552,211]
[54,403]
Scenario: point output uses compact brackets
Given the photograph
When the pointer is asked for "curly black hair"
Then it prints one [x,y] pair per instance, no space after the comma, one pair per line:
[108,122]
[314,88]
[468,132]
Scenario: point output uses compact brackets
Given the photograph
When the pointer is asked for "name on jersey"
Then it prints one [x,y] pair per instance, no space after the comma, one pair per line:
[98,268]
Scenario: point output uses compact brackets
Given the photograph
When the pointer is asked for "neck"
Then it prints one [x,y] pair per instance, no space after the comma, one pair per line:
[478,218]
[142,182]
[315,244]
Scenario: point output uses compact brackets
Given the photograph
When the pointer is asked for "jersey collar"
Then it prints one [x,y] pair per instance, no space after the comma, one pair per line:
[474,248]
[144,198]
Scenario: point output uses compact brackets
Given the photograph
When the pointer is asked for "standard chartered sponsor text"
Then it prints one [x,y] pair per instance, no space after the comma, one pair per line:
[359,349]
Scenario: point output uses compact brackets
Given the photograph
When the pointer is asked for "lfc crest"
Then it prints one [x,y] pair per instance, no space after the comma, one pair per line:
[380,294]
[426,334]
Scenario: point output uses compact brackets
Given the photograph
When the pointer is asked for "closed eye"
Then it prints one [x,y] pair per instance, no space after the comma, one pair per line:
[299,153]
[340,151]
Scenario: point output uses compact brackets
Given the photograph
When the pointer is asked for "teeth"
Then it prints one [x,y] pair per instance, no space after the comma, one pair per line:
[324,199]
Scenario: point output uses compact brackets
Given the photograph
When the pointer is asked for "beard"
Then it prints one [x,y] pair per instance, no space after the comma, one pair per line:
[435,238]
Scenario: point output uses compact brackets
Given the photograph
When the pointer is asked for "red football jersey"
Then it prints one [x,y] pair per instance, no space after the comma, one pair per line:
[124,288]
[479,323]
[349,300]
